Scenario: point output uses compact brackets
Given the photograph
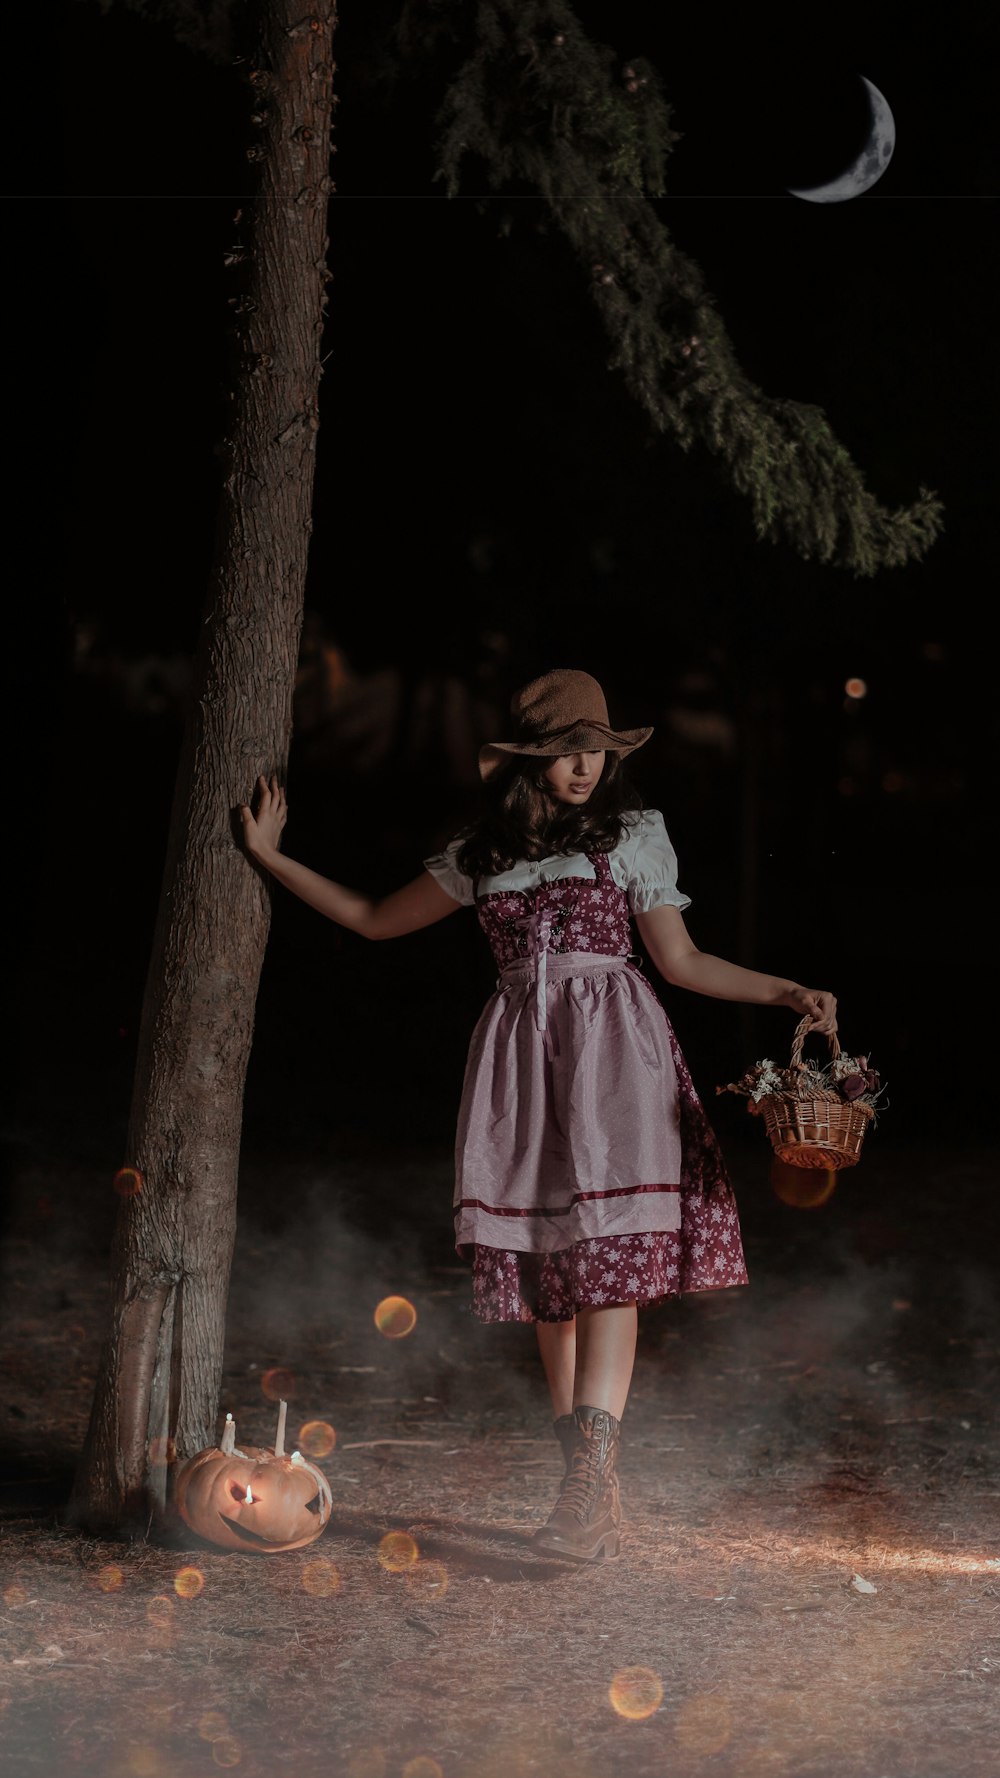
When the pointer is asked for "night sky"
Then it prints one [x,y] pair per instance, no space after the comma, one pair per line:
[490,502]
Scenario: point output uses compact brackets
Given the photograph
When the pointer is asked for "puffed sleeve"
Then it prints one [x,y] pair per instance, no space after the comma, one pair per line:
[647,866]
[456,884]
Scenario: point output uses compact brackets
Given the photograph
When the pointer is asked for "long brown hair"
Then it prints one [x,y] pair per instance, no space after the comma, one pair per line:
[521,819]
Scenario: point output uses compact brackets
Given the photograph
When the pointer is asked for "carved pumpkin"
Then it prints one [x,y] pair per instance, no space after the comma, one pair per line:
[253,1499]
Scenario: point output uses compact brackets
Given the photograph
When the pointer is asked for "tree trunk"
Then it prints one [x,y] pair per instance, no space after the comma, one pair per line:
[157,1391]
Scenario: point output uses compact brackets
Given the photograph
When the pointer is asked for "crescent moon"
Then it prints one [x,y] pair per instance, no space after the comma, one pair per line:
[870,163]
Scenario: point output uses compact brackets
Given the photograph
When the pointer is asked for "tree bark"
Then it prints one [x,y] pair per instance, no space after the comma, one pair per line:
[156,1397]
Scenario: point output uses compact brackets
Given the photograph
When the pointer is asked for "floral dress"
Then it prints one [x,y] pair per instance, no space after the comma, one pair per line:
[586,1171]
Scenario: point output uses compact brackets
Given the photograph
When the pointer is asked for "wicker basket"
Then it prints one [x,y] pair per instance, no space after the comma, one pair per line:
[813,1127]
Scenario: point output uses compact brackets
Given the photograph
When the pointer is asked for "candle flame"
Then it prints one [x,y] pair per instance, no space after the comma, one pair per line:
[249,1496]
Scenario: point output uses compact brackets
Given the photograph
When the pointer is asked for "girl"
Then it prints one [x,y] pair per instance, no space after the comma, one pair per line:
[588,1181]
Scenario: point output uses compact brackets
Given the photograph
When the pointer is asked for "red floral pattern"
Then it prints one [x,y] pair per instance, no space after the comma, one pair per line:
[706,1253]
[586,916]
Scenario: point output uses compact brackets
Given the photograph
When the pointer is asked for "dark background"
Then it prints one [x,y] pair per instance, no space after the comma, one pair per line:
[490,503]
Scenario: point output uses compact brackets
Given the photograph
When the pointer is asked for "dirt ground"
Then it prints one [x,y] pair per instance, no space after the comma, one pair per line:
[810,1579]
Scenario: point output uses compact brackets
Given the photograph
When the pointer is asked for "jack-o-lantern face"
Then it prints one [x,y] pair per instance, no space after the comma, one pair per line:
[253,1500]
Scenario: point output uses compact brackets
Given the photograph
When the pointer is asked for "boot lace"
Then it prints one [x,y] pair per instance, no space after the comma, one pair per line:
[582,1486]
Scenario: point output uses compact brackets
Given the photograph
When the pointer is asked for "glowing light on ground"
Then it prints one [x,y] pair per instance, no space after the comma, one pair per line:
[162,1451]
[786,1551]
[397,1550]
[279,1384]
[422,1767]
[110,1579]
[213,1725]
[128,1182]
[320,1578]
[635,1692]
[429,1579]
[704,1724]
[188,1583]
[802,1188]
[15,1595]
[317,1438]
[856,688]
[395,1317]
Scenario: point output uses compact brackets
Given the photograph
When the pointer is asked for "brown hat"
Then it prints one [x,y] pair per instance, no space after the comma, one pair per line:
[562,712]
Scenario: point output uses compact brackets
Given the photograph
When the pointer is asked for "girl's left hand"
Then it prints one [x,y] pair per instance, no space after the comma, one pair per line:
[262,833]
[818,1005]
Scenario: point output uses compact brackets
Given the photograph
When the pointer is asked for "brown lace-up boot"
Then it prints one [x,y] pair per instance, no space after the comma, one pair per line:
[568,1433]
[584,1523]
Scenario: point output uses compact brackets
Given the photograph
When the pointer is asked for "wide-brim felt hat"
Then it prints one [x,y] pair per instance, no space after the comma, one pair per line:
[564,711]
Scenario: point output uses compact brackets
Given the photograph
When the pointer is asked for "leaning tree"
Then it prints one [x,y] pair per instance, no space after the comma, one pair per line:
[160,1372]
[543,106]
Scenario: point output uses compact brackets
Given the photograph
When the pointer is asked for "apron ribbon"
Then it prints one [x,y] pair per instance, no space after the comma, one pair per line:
[538,927]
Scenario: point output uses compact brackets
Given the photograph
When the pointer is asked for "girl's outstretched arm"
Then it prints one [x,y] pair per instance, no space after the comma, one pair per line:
[417,904]
[680,962]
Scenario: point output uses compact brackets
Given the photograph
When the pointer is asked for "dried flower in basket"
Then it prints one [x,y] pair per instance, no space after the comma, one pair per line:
[815,1115]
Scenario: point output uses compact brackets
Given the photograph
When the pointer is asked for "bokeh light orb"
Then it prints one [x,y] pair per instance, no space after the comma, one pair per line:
[162,1622]
[635,1692]
[279,1384]
[188,1583]
[704,1724]
[395,1317]
[111,1578]
[317,1438]
[320,1578]
[429,1579]
[226,1751]
[213,1725]
[855,688]
[802,1188]
[15,1594]
[127,1182]
[397,1551]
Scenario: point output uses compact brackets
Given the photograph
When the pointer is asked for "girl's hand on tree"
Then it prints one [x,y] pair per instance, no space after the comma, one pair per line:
[816,1004]
[262,832]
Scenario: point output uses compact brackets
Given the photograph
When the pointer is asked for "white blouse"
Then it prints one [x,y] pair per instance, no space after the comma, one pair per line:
[644,864]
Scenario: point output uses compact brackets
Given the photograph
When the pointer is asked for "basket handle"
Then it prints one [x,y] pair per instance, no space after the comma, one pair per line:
[802,1031]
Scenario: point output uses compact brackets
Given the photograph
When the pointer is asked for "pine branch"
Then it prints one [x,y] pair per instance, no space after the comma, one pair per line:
[539,104]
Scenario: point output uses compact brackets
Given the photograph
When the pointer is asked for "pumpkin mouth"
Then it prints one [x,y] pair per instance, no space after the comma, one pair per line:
[244,1530]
